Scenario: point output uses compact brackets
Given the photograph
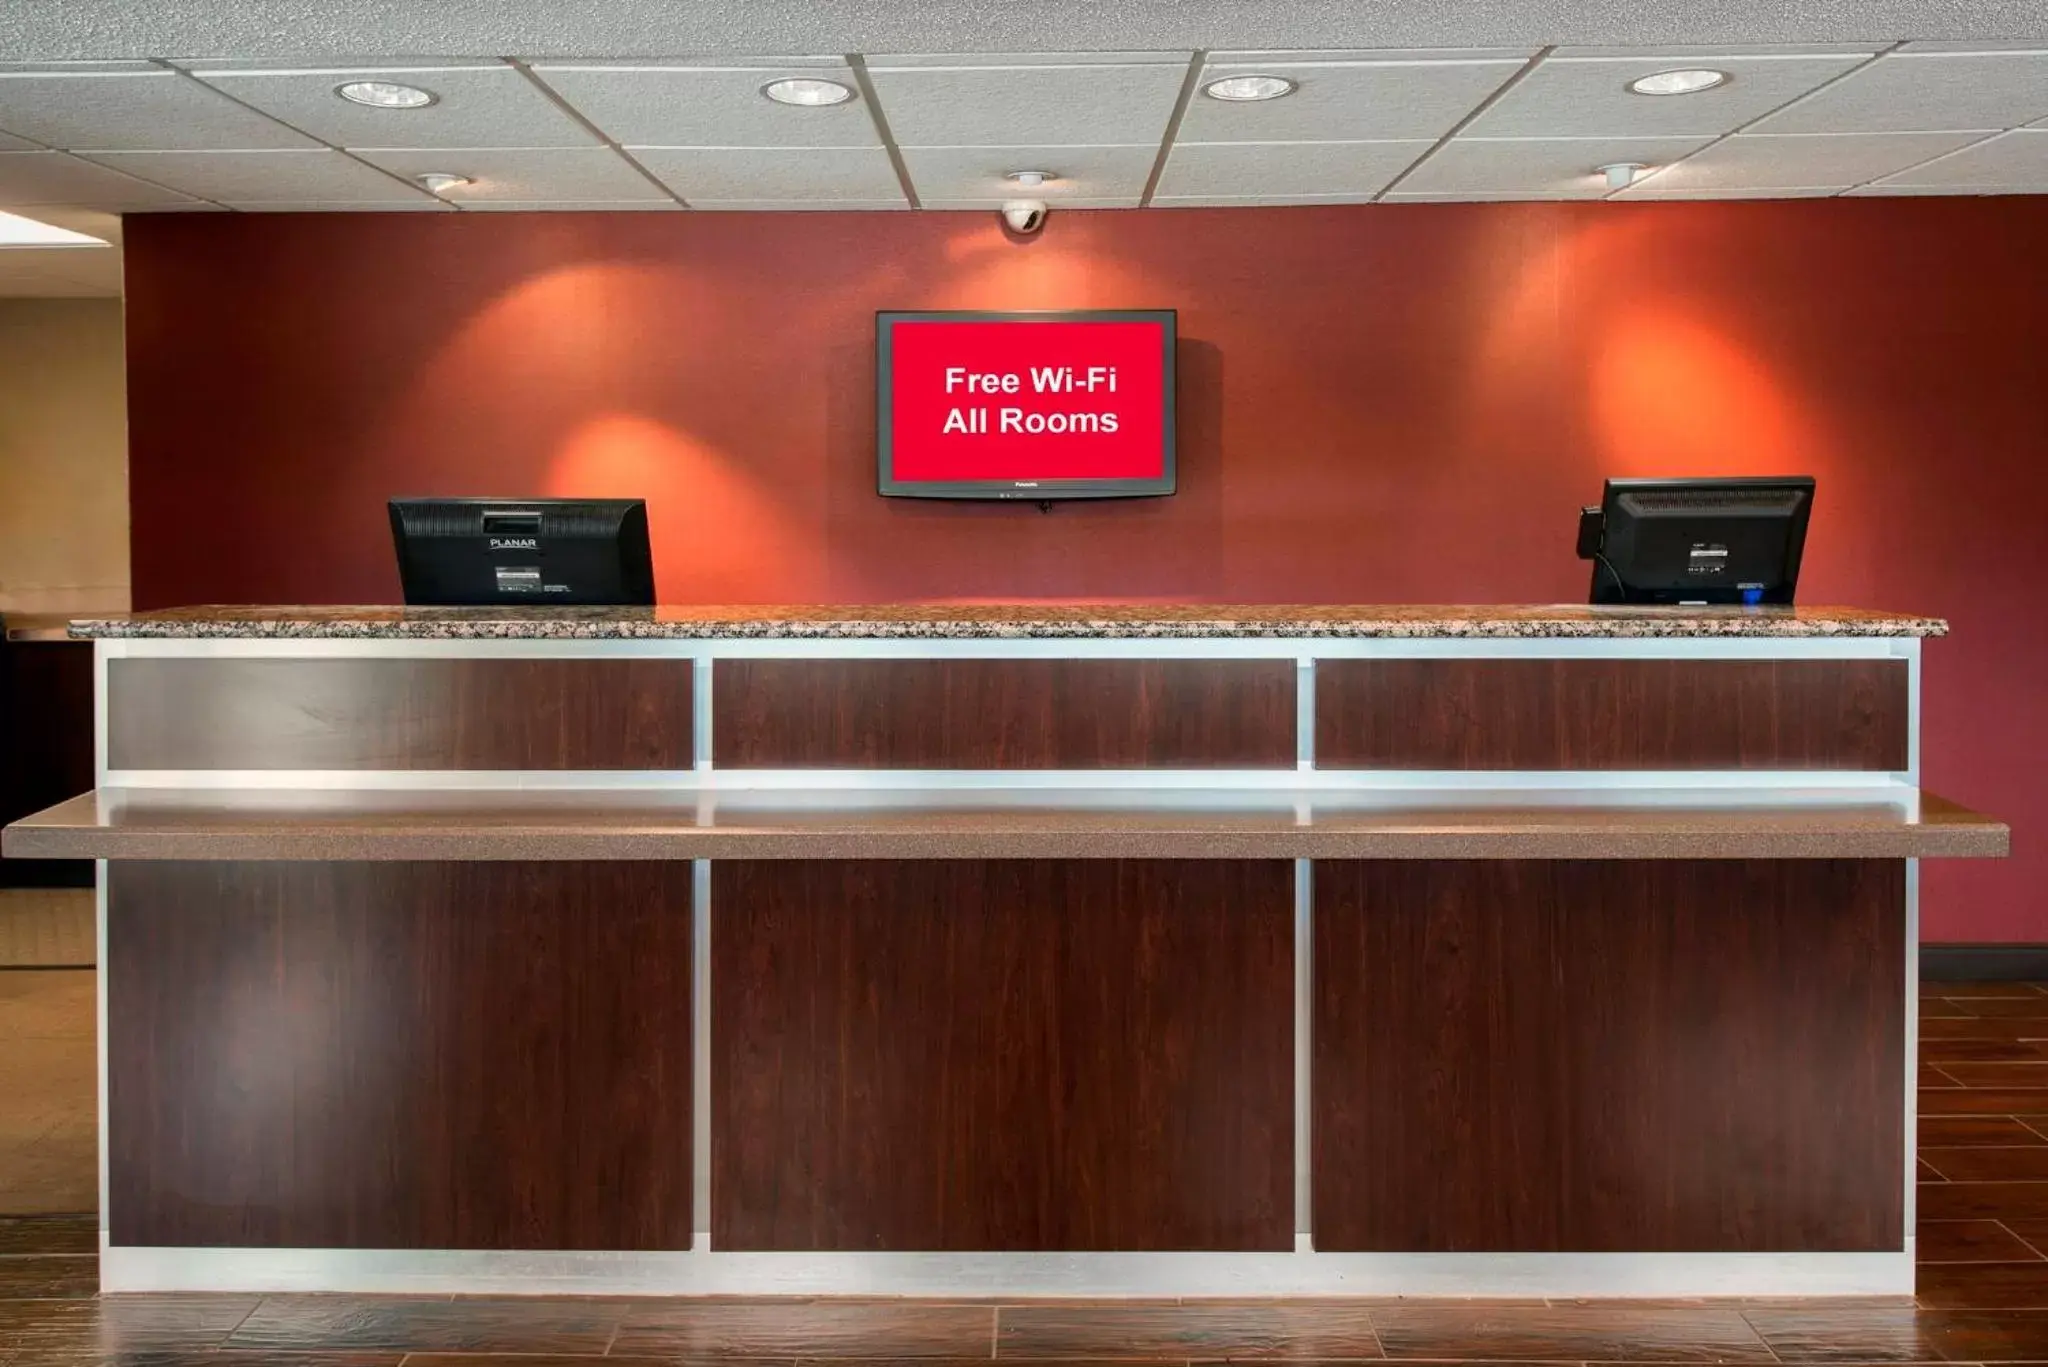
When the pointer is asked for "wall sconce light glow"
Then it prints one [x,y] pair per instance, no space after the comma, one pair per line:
[810,92]
[385,95]
[1685,81]
[1621,174]
[16,231]
[439,182]
[1248,89]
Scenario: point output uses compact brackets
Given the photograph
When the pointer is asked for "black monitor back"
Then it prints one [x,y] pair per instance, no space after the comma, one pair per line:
[502,552]
[1717,541]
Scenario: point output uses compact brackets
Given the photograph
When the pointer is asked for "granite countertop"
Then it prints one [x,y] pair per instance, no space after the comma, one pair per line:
[1002,622]
[40,626]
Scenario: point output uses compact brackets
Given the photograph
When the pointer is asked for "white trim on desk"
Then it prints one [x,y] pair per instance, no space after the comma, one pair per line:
[1911,1141]
[1062,647]
[1632,787]
[1009,1275]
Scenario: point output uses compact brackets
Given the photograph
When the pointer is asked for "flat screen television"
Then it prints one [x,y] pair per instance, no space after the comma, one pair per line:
[1030,406]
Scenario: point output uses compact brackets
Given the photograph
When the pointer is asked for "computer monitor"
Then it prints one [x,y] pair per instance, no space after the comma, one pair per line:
[1705,541]
[501,552]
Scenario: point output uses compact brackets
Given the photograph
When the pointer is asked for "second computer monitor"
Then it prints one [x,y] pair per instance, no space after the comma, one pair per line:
[1709,541]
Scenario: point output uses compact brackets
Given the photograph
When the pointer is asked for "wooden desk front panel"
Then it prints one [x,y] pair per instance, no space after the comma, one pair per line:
[1007,1055]
[1459,713]
[1652,1056]
[437,712]
[1004,714]
[406,1056]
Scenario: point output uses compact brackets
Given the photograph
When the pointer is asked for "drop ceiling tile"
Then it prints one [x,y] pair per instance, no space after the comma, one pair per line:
[1565,168]
[1286,168]
[150,111]
[556,206]
[352,61]
[343,206]
[1253,201]
[478,106]
[78,68]
[2016,158]
[1083,104]
[788,173]
[982,206]
[976,174]
[1475,197]
[1915,92]
[9,143]
[253,177]
[1694,51]
[1763,162]
[1346,101]
[549,175]
[1589,97]
[1924,45]
[986,59]
[54,178]
[803,205]
[1254,57]
[709,106]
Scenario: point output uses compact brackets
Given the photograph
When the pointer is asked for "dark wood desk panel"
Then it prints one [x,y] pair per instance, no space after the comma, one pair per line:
[428,713]
[400,1055]
[1611,714]
[1003,714]
[1628,1056]
[1009,1055]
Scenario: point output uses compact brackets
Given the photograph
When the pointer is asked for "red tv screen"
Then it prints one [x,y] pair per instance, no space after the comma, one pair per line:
[1025,405]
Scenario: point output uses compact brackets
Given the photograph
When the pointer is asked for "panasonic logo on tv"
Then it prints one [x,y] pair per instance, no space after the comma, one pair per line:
[515,543]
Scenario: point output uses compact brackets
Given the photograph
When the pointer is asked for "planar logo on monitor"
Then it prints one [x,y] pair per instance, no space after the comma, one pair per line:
[515,543]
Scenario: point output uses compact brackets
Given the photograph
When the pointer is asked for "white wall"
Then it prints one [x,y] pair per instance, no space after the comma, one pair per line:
[63,456]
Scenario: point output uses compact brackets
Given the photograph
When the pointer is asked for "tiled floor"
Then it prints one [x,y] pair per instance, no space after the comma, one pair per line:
[47,928]
[49,1136]
[1983,1286]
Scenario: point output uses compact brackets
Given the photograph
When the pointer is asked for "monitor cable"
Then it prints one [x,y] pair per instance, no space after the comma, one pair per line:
[1620,588]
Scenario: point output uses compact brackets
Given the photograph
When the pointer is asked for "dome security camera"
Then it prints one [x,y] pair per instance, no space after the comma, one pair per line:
[1025,216]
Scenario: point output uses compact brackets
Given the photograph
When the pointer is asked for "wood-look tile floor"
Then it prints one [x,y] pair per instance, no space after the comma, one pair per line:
[1983,1286]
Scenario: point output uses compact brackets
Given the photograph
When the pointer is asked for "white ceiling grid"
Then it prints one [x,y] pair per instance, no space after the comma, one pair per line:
[1114,129]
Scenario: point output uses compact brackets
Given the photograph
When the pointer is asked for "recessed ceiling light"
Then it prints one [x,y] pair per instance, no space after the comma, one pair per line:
[385,94]
[1248,89]
[1621,174]
[809,91]
[1031,180]
[1685,81]
[438,181]
[16,231]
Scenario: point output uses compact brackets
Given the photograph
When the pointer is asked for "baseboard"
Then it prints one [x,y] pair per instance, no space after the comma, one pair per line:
[1967,963]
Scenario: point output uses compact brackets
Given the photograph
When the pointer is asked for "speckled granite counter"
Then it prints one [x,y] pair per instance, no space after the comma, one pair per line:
[1003,622]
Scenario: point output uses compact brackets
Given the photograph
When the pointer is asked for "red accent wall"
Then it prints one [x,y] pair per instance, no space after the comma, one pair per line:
[1378,404]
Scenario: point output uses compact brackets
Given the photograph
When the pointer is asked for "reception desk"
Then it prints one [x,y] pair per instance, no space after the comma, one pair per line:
[1009,951]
